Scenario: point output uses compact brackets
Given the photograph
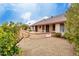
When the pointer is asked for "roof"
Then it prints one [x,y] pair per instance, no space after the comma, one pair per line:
[51,20]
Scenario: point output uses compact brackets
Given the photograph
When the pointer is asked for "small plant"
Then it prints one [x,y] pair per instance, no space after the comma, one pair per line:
[57,34]
[30,30]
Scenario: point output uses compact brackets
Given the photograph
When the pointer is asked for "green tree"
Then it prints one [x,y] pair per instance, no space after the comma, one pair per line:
[9,37]
[24,26]
[72,26]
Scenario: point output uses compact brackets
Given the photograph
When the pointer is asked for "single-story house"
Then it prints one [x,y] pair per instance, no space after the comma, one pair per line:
[51,24]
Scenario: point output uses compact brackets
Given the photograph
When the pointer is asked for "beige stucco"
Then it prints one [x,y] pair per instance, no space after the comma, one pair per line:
[50,28]
[39,29]
[33,28]
[57,28]
[44,28]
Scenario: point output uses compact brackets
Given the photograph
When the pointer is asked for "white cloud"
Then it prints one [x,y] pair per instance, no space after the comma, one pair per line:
[45,17]
[26,16]
[30,22]
[23,7]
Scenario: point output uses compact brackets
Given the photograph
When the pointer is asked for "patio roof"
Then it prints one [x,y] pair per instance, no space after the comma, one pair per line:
[51,20]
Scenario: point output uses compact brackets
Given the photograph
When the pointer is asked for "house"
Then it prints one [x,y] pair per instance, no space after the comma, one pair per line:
[51,24]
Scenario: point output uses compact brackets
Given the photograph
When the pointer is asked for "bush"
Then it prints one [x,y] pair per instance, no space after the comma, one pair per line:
[24,26]
[76,50]
[8,40]
[72,26]
[30,30]
[57,34]
[68,37]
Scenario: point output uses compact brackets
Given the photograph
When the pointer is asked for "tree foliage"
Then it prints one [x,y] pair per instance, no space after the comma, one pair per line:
[24,26]
[72,25]
[9,37]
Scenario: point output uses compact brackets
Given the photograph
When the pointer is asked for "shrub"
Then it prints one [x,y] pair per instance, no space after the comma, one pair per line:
[76,50]
[8,40]
[57,34]
[72,26]
[24,26]
[69,37]
[30,30]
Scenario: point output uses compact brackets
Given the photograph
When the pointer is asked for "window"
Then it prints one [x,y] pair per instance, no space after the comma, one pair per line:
[53,27]
[61,27]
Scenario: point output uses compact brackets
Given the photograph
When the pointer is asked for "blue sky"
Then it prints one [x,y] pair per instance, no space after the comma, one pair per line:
[30,13]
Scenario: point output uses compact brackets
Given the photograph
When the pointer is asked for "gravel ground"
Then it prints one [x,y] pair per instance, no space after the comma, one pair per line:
[46,47]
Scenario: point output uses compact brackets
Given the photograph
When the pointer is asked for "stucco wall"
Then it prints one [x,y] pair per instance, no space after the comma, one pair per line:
[50,28]
[32,28]
[44,28]
[57,27]
[39,29]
